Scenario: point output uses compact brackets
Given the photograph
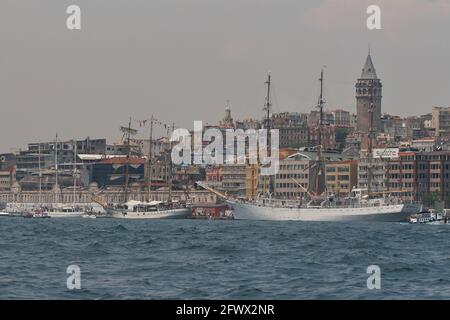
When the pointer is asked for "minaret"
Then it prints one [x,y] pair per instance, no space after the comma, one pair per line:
[227,120]
[368,93]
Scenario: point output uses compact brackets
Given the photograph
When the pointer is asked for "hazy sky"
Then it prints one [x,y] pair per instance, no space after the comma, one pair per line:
[183,59]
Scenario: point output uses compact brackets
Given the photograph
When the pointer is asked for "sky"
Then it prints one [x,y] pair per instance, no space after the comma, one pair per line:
[181,60]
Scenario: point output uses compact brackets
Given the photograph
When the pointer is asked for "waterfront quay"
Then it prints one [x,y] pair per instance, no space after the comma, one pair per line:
[109,196]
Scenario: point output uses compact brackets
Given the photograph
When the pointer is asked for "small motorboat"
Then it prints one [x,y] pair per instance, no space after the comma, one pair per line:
[36,214]
[429,217]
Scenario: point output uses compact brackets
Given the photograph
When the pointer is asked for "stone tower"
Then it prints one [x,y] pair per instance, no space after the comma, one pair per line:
[368,92]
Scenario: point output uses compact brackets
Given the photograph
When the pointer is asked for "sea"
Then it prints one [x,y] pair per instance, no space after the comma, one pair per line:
[204,259]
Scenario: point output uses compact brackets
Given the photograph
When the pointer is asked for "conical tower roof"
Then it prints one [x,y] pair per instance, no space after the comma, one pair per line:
[368,72]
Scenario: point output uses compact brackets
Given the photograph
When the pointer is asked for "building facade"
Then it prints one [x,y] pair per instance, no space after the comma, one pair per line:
[440,120]
[7,179]
[341,177]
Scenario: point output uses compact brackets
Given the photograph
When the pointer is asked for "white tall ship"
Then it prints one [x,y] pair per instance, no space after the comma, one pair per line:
[55,209]
[370,210]
[132,209]
[362,205]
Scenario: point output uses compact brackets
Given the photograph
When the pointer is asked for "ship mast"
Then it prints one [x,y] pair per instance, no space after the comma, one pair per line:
[268,125]
[40,174]
[56,168]
[267,104]
[169,163]
[128,133]
[74,169]
[319,137]
[370,146]
[150,145]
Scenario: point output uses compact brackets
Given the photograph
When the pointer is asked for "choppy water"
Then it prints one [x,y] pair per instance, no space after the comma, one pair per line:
[188,259]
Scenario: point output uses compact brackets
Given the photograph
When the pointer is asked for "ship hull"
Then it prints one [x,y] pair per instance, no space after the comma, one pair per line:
[180,213]
[77,214]
[387,213]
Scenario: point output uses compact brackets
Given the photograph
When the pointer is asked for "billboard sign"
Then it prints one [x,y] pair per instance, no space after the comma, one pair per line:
[386,153]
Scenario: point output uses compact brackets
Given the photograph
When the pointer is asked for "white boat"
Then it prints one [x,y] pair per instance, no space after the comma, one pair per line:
[429,217]
[320,205]
[65,212]
[131,209]
[91,216]
[40,214]
[260,211]
[148,210]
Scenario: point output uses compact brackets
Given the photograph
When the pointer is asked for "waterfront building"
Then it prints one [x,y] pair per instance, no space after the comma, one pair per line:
[251,181]
[183,176]
[393,127]
[433,175]
[234,179]
[341,176]
[401,176]
[7,179]
[314,115]
[293,178]
[42,154]
[341,118]
[239,180]
[440,120]
[298,174]
[378,173]
[328,136]
[293,129]
[412,176]
[293,137]
[214,176]
[7,161]
[111,172]
[111,195]
[159,146]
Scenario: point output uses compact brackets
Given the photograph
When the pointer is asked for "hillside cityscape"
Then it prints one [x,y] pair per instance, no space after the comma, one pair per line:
[410,158]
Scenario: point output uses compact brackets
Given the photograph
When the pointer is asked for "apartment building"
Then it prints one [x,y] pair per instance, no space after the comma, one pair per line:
[440,120]
[341,176]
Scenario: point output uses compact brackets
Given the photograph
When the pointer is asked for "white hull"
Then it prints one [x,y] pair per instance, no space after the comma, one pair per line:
[57,214]
[388,213]
[179,213]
